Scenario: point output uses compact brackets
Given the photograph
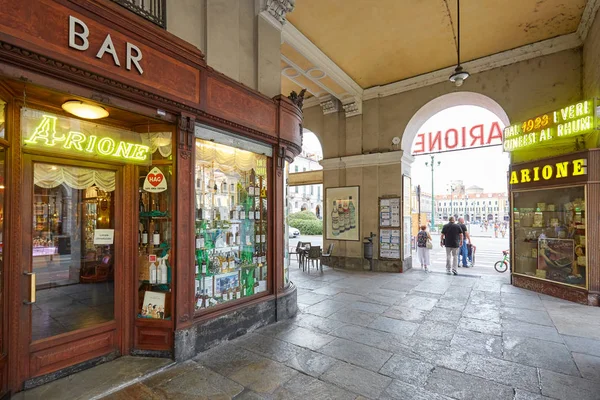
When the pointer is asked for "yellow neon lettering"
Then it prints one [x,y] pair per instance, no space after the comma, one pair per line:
[547,172]
[91,143]
[124,150]
[44,132]
[513,178]
[562,169]
[536,174]
[106,146]
[525,176]
[74,139]
[579,167]
[141,152]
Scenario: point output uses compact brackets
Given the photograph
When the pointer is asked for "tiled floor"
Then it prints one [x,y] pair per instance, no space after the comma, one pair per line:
[401,336]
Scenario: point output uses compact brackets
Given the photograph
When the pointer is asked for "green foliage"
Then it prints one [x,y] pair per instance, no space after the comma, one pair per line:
[307,227]
[305,215]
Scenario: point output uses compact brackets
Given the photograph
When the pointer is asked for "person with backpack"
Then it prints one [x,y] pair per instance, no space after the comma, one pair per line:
[452,239]
[424,245]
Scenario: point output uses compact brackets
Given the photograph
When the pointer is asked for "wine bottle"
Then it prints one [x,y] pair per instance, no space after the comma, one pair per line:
[144,236]
[204,269]
[257,211]
[156,237]
[197,268]
[141,203]
[352,213]
[335,221]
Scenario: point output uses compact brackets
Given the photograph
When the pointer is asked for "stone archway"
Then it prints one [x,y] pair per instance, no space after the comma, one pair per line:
[443,102]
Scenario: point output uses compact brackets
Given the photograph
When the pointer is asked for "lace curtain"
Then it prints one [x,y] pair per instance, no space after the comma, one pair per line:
[49,176]
[160,141]
[227,159]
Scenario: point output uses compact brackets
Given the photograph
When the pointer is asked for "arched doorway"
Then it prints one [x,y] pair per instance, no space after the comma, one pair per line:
[443,139]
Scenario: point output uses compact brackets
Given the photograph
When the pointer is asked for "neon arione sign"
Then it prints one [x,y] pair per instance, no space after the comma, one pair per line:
[45,136]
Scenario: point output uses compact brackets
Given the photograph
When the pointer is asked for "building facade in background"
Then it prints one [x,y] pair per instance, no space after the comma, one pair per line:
[306,197]
[473,204]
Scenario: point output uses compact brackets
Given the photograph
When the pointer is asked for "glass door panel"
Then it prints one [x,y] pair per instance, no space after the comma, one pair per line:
[73,248]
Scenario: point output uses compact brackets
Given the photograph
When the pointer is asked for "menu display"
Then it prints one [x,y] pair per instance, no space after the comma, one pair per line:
[389,228]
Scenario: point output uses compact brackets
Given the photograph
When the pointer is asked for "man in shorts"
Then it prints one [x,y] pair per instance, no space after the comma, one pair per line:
[452,239]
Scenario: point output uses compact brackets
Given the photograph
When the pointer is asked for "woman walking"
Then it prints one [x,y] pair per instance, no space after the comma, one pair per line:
[423,246]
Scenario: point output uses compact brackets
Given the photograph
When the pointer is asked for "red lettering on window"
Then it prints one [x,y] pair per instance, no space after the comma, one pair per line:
[419,145]
[435,139]
[451,134]
[475,136]
[495,133]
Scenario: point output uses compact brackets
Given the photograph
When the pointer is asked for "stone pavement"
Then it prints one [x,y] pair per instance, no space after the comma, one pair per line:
[400,336]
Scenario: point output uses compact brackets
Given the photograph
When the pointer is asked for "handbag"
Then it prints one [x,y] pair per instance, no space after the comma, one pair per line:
[429,245]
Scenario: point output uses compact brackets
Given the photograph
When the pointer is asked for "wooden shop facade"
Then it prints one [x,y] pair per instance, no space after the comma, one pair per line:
[141,193]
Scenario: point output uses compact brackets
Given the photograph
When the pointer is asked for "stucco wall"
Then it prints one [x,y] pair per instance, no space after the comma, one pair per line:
[234,38]
[591,61]
[522,89]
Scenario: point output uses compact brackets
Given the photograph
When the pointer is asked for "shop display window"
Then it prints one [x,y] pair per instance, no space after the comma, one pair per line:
[231,224]
[550,235]
[155,232]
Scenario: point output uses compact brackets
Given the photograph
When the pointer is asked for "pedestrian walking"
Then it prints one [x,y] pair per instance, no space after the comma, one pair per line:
[423,247]
[464,251]
[452,239]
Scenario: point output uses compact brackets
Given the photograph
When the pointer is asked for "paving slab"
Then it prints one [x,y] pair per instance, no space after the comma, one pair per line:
[525,395]
[357,353]
[440,354]
[539,353]
[418,302]
[97,380]
[567,387]
[479,343]
[405,391]
[374,338]
[483,312]
[407,369]
[522,301]
[305,338]
[311,298]
[226,360]
[310,362]
[582,345]
[520,328]
[442,315]
[368,307]
[481,326]
[538,317]
[349,316]
[504,372]
[304,387]
[325,308]
[589,366]
[273,348]
[435,330]
[321,324]
[406,313]
[403,328]
[263,377]
[462,386]
[358,380]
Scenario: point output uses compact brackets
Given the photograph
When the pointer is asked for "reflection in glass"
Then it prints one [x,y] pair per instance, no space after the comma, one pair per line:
[231,224]
[2,193]
[2,119]
[73,262]
[549,234]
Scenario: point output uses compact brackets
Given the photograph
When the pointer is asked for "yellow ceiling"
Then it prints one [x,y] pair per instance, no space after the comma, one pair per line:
[384,41]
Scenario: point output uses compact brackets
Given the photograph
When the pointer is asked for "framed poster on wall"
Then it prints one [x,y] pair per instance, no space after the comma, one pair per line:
[389,228]
[406,216]
[342,213]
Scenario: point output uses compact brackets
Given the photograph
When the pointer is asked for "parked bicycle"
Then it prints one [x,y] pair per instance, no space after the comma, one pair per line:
[504,264]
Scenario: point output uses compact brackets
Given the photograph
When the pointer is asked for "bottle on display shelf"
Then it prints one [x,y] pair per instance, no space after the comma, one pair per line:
[153,274]
[203,269]
[144,236]
[335,220]
[257,211]
[242,213]
[162,268]
[199,239]
[352,210]
[141,202]
[156,238]
[197,267]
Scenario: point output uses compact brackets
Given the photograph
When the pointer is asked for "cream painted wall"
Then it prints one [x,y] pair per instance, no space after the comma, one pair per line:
[234,38]
[522,89]
[591,61]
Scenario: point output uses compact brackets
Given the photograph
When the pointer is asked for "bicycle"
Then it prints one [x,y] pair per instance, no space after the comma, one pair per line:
[504,264]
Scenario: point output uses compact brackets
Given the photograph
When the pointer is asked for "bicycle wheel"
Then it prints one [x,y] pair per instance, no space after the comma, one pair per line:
[501,266]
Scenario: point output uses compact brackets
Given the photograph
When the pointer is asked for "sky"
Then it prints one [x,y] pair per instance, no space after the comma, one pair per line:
[483,167]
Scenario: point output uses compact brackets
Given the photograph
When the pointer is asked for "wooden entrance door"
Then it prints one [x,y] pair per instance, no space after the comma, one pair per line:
[73,253]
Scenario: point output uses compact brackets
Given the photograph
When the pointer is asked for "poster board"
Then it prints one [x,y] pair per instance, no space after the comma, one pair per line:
[343,221]
[389,227]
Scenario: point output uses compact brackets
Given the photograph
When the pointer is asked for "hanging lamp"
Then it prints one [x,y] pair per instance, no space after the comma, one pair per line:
[459,75]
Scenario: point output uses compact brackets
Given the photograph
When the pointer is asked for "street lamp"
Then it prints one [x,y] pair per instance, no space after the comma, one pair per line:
[452,188]
[433,210]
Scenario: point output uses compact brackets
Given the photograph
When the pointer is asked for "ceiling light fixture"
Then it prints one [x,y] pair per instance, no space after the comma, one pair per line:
[84,110]
[459,75]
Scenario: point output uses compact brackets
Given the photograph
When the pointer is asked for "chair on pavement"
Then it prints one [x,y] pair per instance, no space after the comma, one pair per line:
[327,256]
[305,246]
[297,252]
[314,254]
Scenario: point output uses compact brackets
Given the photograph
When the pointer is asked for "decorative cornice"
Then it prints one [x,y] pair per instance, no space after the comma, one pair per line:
[275,11]
[362,160]
[352,107]
[329,104]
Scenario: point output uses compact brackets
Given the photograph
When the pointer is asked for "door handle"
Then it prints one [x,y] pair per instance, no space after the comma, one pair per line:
[32,289]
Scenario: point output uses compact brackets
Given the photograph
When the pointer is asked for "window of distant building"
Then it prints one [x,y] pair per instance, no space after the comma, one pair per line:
[296,168]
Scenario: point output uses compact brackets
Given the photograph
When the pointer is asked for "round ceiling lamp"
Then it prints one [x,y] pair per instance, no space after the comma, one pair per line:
[84,110]
[459,76]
